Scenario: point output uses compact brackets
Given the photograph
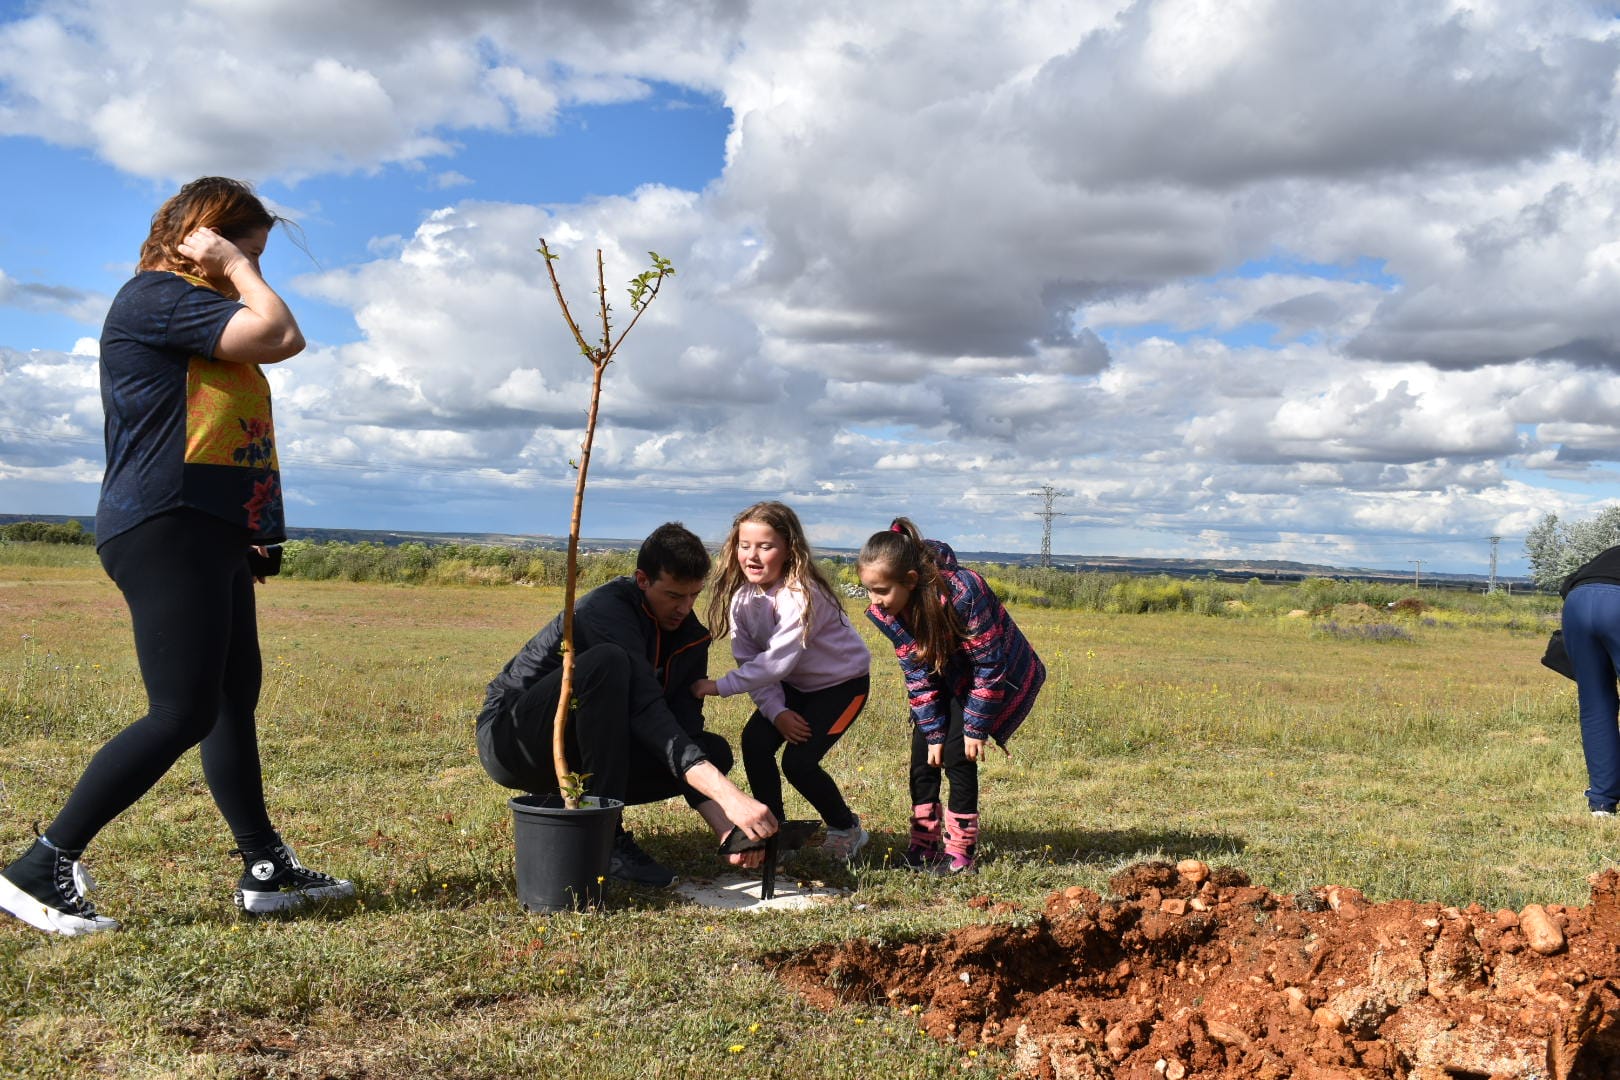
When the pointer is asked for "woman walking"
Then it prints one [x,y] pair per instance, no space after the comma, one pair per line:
[191,489]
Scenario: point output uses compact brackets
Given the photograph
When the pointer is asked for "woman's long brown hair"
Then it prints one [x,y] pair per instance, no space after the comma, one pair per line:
[227,206]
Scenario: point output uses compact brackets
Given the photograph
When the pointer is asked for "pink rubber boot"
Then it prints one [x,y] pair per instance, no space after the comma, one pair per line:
[961,841]
[924,852]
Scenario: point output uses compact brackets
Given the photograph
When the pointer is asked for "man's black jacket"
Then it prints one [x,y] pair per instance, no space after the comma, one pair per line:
[663,665]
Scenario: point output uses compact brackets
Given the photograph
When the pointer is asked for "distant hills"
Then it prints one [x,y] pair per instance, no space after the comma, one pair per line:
[1223,569]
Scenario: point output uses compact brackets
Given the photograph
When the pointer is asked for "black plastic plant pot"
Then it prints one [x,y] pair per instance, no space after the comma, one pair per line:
[561,855]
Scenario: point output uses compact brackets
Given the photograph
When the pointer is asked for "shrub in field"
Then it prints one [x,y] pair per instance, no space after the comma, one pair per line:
[45,532]
[1137,596]
[1088,592]
[1322,594]
[1365,631]
[1012,591]
[341,562]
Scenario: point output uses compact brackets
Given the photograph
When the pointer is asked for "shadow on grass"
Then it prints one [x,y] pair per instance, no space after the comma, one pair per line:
[691,854]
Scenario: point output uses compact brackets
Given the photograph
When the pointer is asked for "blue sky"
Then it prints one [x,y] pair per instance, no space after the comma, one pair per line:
[1248,281]
[76,219]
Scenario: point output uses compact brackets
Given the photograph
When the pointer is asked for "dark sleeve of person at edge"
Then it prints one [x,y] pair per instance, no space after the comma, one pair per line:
[1604,567]
[613,614]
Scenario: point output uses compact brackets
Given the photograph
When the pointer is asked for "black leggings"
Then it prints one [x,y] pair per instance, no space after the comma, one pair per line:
[599,740]
[184,575]
[964,774]
[829,713]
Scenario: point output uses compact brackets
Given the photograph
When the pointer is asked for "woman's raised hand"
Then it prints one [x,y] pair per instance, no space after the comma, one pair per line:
[214,255]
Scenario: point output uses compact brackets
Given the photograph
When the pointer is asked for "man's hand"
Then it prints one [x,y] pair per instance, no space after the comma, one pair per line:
[705,688]
[750,815]
[792,727]
[727,806]
[722,825]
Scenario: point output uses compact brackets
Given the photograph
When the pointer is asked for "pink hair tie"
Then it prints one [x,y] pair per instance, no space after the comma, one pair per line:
[896,528]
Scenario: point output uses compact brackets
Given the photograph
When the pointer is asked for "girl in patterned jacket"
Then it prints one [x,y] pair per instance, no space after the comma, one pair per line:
[971,677]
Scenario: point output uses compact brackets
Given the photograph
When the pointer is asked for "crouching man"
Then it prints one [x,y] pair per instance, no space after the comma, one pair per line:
[635,727]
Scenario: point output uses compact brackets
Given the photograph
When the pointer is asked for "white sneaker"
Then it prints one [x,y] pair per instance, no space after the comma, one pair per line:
[65,882]
[845,844]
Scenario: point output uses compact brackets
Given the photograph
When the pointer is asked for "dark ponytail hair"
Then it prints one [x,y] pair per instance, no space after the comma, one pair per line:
[929,614]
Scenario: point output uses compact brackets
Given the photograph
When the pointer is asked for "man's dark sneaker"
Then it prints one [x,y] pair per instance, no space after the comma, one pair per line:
[46,888]
[274,880]
[630,863]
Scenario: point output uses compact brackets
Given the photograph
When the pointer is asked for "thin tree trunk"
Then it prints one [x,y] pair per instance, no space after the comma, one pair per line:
[559,728]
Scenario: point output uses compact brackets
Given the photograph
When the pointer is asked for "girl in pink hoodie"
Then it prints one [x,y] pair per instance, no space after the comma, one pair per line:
[799,659]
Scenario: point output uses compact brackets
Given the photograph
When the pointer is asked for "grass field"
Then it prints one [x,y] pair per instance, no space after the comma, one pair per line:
[1444,764]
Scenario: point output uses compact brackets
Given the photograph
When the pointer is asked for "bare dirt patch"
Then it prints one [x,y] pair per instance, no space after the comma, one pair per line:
[1188,972]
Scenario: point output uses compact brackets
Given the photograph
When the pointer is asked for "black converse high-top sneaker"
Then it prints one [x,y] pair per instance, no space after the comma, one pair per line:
[46,888]
[274,880]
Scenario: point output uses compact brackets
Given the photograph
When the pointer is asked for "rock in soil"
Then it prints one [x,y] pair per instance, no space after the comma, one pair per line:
[1189,971]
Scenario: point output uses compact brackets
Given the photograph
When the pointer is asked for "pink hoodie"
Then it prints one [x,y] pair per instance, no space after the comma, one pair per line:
[767,638]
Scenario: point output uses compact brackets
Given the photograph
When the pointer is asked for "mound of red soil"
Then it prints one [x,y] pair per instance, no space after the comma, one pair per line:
[1193,973]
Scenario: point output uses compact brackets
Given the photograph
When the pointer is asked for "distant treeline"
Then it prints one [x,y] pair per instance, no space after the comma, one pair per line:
[447,564]
[1137,593]
[480,564]
[45,532]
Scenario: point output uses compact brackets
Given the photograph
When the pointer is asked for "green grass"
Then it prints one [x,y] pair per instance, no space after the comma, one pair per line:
[1444,767]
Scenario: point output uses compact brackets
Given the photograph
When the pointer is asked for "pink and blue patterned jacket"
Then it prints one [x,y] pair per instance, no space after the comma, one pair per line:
[994,673]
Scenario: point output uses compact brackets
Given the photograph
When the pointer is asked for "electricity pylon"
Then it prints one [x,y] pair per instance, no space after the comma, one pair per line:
[1046,514]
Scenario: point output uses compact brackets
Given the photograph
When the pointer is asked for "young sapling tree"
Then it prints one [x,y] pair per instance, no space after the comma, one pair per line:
[643,290]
